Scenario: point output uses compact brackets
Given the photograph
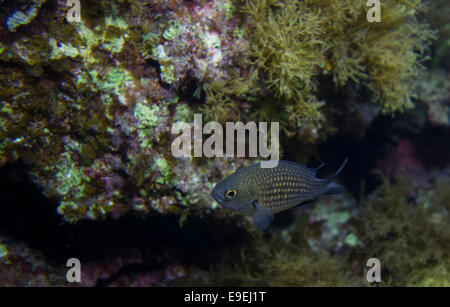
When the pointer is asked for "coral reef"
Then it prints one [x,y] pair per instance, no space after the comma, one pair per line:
[88,108]
[22,266]
[107,122]
[99,120]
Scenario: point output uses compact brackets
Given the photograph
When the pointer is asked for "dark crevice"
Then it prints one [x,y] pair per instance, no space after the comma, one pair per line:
[30,217]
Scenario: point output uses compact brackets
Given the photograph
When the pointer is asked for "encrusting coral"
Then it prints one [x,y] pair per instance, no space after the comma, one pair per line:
[91,115]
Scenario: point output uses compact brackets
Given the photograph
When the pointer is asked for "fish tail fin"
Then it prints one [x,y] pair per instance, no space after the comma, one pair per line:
[334,188]
[339,170]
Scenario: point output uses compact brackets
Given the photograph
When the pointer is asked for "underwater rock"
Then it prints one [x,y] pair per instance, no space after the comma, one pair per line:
[93,110]
[21,265]
[19,18]
[434,92]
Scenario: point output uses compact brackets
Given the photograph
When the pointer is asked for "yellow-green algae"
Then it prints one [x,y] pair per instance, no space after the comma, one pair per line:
[410,238]
[167,68]
[280,260]
[293,42]
[19,18]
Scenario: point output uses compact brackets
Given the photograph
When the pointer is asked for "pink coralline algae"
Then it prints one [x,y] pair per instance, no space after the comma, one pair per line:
[404,160]
[403,157]
[203,41]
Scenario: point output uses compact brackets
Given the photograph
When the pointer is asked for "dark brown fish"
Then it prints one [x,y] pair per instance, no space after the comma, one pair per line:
[262,192]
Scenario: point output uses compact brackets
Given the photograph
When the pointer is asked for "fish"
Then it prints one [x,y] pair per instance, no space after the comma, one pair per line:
[263,192]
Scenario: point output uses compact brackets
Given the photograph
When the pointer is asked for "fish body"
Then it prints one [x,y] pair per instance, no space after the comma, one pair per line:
[263,192]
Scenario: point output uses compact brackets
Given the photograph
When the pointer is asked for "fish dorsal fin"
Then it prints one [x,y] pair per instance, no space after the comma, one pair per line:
[339,170]
[315,170]
[299,166]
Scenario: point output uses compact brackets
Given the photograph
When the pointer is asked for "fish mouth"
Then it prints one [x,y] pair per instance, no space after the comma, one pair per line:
[219,198]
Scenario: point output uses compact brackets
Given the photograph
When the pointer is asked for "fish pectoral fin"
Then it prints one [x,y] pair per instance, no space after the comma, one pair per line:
[261,216]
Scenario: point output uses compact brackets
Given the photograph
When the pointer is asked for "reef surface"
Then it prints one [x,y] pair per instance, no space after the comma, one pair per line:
[86,115]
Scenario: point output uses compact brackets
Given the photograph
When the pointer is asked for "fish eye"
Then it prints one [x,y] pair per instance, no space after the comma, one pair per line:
[230,194]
